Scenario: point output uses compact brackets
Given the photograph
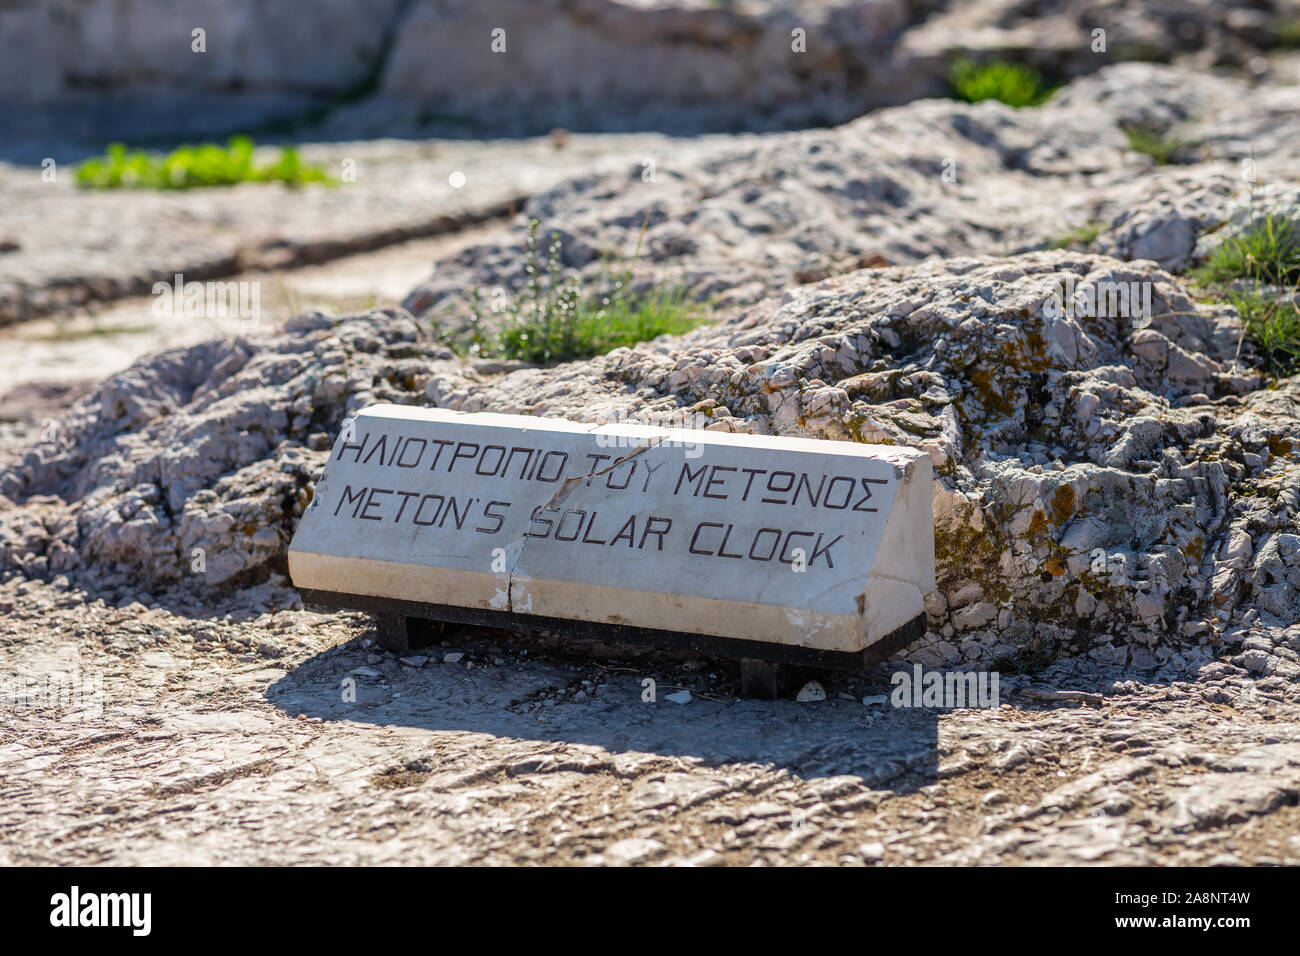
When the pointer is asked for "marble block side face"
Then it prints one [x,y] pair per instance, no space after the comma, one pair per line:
[819,544]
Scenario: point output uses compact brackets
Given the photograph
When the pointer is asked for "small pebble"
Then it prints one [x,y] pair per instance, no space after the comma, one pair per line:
[811,692]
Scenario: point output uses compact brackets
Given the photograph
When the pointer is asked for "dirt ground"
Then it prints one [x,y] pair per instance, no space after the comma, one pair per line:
[258,732]
[157,729]
[99,341]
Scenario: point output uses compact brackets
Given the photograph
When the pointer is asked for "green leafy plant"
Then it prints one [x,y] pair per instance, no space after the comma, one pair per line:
[1144,139]
[189,166]
[1084,235]
[1288,34]
[1272,324]
[1268,250]
[553,320]
[1012,83]
[1267,255]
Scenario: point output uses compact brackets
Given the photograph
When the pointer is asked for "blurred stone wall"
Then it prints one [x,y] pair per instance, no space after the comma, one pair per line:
[93,70]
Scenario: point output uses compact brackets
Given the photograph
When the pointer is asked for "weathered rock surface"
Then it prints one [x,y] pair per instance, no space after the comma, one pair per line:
[1096,472]
[1064,38]
[76,247]
[1111,486]
[934,178]
[1116,485]
[103,70]
[1116,490]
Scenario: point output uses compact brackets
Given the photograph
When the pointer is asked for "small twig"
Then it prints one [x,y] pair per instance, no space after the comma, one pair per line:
[621,670]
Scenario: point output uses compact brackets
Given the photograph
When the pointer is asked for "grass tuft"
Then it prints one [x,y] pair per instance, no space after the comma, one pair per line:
[1266,254]
[1144,139]
[1268,250]
[1273,326]
[190,166]
[1288,34]
[1082,237]
[553,320]
[1012,83]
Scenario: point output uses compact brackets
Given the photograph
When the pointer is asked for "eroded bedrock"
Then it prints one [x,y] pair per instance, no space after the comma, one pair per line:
[1113,475]
[1109,485]
[934,178]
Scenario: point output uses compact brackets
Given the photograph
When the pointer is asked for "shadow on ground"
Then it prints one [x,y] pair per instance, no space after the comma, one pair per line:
[516,686]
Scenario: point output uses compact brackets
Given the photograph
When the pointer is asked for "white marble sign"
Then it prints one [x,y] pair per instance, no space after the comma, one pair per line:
[817,544]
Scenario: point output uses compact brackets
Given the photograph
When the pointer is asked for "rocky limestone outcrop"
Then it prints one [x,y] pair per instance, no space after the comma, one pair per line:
[1114,478]
[1100,476]
[1106,485]
[933,178]
[1062,37]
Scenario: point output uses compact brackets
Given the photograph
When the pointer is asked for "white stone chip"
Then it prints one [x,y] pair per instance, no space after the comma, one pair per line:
[811,692]
[872,852]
